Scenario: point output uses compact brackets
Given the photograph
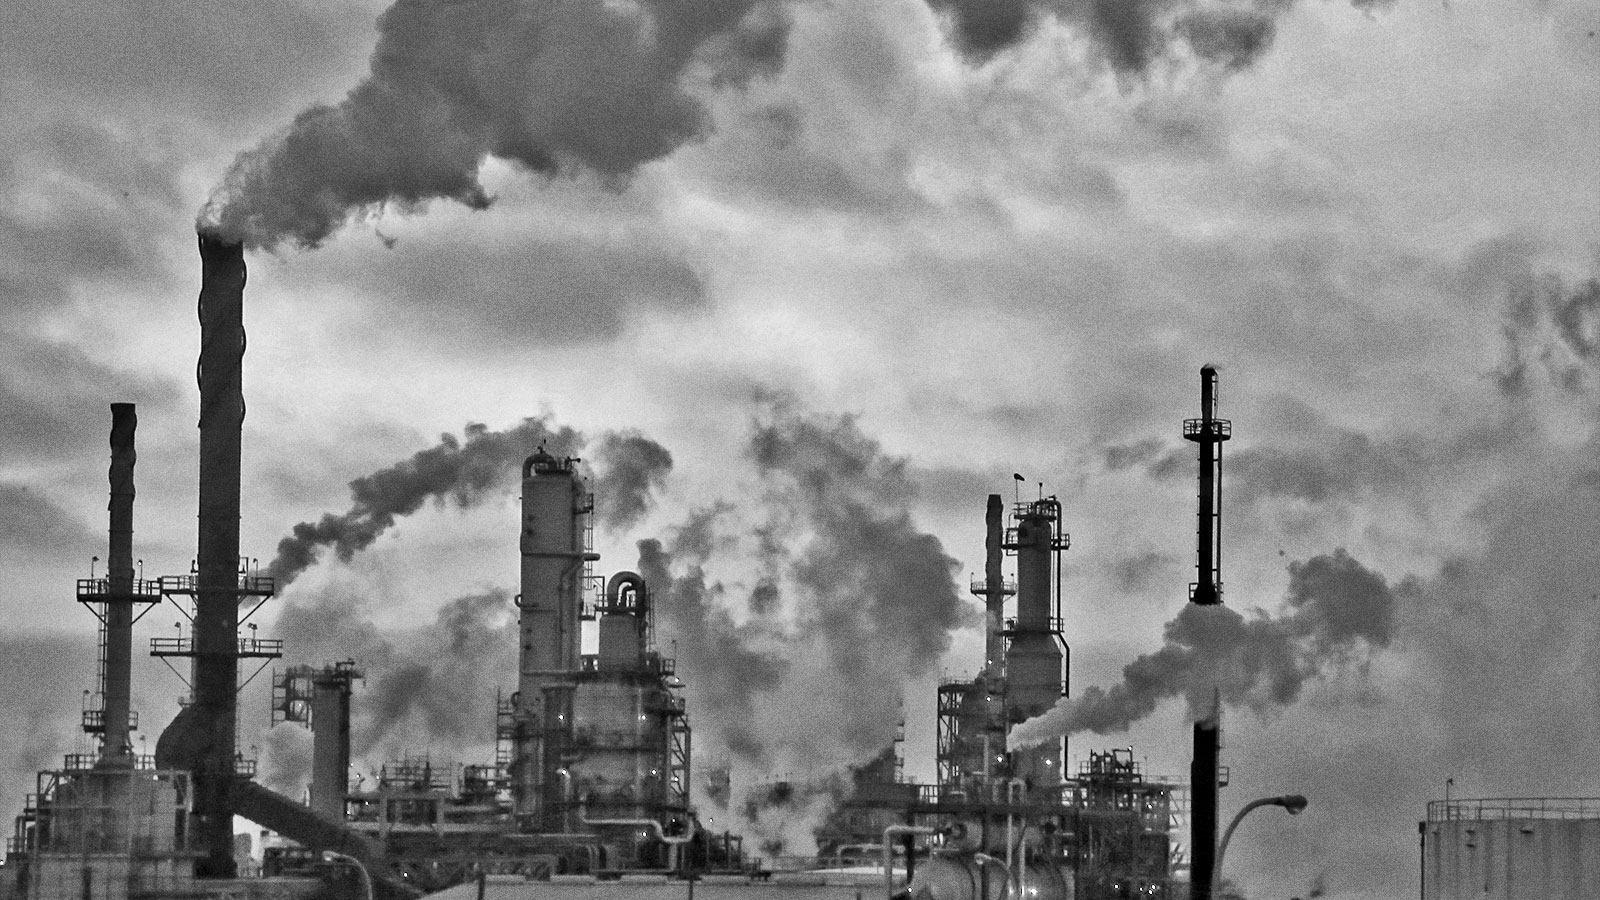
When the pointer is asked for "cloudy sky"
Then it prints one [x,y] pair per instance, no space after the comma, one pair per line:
[851,265]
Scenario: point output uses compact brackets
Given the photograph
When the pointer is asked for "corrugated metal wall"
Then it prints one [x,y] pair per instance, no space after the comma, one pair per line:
[1511,859]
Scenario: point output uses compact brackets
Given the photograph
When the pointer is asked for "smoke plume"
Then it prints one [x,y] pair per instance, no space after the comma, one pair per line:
[633,468]
[466,472]
[583,85]
[796,661]
[427,689]
[1129,35]
[1335,608]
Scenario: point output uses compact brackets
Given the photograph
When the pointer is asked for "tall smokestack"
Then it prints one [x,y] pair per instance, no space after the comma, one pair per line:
[1209,432]
[115,748]
[216,620]
[1204,780]
[994,586]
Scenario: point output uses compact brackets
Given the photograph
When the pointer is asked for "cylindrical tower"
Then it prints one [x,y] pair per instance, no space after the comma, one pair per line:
[554,507]
[1204,781]
[1209,432]
[1035,677]
[331,687]
[216,620]
[115,748]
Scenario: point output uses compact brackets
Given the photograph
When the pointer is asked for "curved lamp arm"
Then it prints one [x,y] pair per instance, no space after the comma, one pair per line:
[1294,803]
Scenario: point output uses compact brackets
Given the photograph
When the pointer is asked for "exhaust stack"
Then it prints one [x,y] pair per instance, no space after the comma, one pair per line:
[1209,432]
[1205,777]
[216,620]
[116,750]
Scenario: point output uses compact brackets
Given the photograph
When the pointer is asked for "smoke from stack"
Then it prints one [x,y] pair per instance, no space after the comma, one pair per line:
[632,468]
[431,687]
[1335,608]
[796,665]
[1131,36]
[556,88]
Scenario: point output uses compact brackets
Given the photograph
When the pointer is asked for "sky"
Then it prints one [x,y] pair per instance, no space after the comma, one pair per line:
[804,282]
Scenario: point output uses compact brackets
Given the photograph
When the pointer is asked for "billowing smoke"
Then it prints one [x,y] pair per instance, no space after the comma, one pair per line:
[1335,610]
[1130,35]
[430,688]
[466,472]
[796,661]
[632,470]
[582,85]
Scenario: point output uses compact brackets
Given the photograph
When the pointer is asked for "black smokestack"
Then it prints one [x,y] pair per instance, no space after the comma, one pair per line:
[1336,606]
[1204,778]
[115,748]
[201,738]
[1209,432]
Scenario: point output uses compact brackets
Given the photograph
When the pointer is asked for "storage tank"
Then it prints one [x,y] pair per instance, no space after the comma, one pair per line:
[1512,849]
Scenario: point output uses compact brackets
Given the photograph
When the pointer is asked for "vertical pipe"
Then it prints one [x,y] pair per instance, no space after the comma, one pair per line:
[115,748]
[216,620]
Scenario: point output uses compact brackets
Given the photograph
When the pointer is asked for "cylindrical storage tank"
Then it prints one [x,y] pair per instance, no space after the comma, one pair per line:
[1519,858]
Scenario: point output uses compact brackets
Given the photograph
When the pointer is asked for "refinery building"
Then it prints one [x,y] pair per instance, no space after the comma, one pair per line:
[591,778]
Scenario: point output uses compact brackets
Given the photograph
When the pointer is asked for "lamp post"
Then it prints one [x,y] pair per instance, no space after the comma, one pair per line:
[366,877]
[1294,803]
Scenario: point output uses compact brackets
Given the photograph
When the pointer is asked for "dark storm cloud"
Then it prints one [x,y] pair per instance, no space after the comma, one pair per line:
[581,86]
[1130,35]
[1335,609]
[542,292]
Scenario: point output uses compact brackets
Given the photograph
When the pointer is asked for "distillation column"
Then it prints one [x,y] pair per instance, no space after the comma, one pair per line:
[1035,672]
[554,504]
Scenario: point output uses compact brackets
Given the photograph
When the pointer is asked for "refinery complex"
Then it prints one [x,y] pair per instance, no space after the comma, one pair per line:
[591,776]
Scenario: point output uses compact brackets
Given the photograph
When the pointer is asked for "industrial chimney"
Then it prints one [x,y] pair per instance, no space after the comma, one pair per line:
[201,738]
[1209,432]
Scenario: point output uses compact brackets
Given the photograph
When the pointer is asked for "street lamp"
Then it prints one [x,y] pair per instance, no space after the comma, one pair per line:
[1294,803]
[366,877]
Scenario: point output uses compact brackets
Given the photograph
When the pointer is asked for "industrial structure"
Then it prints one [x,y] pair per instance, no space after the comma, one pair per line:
[592,765]
[1520,848]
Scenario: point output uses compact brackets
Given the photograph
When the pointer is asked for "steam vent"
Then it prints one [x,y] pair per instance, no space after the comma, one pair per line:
[591,776]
